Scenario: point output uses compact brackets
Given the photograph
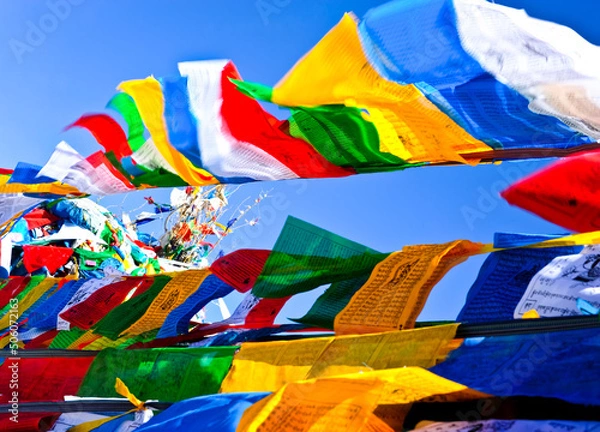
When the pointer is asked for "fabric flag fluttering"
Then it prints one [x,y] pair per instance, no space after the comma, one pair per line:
[361,100]
[414,83]
[564,193]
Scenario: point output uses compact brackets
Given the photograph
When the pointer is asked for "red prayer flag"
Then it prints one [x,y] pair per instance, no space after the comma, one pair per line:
[247,121]
[241,268]
[107,132]
[51,257]
[39,217]
[47,379]
[265,312]
[564,193]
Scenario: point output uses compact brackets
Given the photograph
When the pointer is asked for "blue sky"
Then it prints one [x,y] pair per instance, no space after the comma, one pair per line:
[85,48]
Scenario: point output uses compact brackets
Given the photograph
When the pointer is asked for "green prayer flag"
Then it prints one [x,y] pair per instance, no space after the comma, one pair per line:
[125,105]
[305,257]
[343,137]
[254,90]
[158,178]
[165,374]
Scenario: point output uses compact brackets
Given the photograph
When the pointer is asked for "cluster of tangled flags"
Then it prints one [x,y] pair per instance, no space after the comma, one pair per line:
[100,334]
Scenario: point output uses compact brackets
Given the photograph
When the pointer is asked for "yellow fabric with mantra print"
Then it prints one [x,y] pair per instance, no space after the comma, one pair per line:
[172,295]
[395,293]
[267,366]
[347,402]
[336,71]
[150,102]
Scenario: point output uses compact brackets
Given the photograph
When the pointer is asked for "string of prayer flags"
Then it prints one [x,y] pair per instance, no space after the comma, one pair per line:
[267,366]
[362,100]
[156,311]
[504,278]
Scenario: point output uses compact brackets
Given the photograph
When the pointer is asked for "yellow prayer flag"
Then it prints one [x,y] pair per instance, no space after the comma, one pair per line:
[267,366]
[347,402]
[337,71]
[398,287]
